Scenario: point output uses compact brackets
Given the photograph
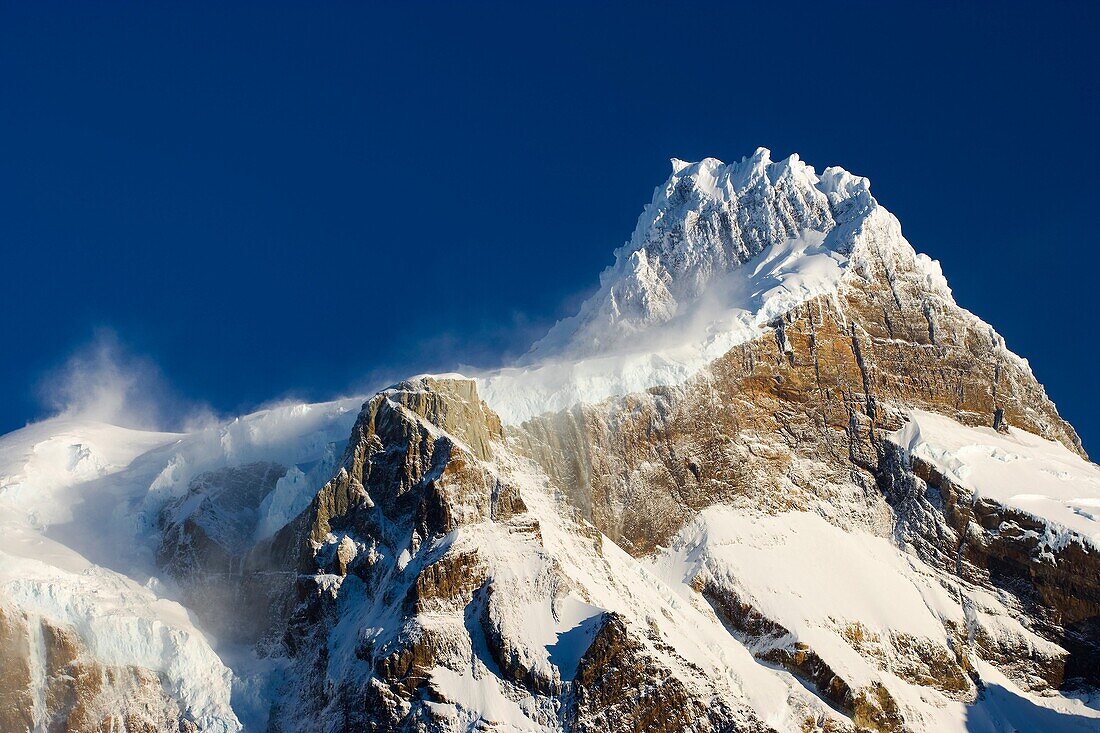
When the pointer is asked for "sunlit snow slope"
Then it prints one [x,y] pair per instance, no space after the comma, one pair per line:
[1015,469]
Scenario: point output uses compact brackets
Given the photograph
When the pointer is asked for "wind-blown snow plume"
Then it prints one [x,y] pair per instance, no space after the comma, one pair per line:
[104,381]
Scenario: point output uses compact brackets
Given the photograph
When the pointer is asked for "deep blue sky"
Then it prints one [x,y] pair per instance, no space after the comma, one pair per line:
[268,199]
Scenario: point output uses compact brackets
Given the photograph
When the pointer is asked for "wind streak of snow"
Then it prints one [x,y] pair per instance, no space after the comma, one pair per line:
[719,254]
[37,664]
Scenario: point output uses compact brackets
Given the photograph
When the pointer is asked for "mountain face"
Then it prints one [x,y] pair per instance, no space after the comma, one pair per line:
[771,477]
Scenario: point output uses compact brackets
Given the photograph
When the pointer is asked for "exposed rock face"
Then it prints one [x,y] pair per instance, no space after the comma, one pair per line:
[620,687]
[405,483]
[49,682]
[403,445]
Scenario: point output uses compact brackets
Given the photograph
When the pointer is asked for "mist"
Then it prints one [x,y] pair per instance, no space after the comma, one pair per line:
[105,381]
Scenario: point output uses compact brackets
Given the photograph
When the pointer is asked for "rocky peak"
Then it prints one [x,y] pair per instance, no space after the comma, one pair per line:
[720,253]
[449,403]
[707,220]
[417,448]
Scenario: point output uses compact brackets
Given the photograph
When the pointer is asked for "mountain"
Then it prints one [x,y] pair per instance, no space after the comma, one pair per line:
[770,477]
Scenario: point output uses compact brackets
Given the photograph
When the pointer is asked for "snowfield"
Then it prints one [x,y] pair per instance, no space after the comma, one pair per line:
[1039,477]
[828,587]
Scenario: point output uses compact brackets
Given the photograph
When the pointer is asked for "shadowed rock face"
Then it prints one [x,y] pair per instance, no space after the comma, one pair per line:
[205,537]
[207,530]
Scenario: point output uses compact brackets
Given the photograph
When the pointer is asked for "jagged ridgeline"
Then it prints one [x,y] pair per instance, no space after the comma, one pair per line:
[771,477]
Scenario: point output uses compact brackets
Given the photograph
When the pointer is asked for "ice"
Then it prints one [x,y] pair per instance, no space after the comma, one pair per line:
[121,622]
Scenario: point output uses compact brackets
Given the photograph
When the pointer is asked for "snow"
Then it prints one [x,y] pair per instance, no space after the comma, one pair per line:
[1017,469]
[797,568]
[121,622]
[574,625]
[812,578]
[39,462]
[816,580]
[78,506]
[478,698]
[293,493]
[1003,708]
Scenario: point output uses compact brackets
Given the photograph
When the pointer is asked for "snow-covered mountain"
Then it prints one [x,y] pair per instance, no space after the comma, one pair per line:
[769,477]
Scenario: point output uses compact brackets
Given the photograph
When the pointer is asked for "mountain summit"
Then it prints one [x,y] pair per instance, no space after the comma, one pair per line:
[706,223]
[771,477]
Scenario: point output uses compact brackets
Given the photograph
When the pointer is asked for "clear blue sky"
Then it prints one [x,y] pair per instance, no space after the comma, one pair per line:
[268,199]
